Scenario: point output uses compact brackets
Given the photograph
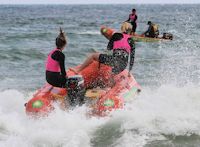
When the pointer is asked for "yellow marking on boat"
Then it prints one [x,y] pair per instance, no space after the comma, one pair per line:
[93,93]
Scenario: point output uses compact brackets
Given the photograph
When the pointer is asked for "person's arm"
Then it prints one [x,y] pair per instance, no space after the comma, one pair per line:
[115,37]
[135,18]
[62,64]
[149,29]
[60,57]
[132,54]
[128,18]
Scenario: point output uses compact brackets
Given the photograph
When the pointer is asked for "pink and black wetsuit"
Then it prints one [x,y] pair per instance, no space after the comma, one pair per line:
[133,20]
[122,46]
[55,68]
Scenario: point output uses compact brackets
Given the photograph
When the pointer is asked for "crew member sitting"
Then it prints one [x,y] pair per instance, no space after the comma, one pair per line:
[152,31]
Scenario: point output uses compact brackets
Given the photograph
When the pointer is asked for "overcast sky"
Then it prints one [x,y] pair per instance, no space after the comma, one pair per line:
[94,1]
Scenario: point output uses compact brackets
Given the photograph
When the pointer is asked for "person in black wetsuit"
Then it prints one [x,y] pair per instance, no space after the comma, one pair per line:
[56,74]
[122,46]
[133,20]
[152,31]
[55,63]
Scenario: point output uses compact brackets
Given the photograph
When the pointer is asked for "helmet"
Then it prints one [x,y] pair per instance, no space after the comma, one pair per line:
[126,28]
[133,10]
[149,22]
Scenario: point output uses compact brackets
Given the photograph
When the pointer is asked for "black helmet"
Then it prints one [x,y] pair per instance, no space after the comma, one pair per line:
[133,10]
[149,22]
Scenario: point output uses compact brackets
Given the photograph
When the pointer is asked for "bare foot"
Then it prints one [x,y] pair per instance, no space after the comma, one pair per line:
[74,70]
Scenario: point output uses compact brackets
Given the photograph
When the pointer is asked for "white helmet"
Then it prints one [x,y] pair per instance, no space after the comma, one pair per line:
[126,28]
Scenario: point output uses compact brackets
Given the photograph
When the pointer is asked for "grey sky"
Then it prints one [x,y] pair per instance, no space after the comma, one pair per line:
[94,1]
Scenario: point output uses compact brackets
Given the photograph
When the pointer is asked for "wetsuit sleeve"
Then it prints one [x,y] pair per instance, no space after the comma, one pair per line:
[62,64]
[149,29]
[60,57]
[135,18]
[115,37]
[128,18]
[132,54]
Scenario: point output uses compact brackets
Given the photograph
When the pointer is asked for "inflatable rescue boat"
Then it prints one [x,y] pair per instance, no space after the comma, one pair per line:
[108,32]
[102,92]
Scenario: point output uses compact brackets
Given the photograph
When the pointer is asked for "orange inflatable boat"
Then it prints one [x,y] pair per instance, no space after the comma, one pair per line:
[108,32]
[103,92]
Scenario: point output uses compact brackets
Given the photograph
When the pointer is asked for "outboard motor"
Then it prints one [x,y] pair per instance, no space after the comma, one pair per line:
[76,90]
[167,36]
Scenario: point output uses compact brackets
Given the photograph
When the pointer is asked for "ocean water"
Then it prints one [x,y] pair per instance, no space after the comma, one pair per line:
[165,114]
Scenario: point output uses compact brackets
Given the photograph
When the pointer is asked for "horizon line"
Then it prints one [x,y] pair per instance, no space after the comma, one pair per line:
[94,3]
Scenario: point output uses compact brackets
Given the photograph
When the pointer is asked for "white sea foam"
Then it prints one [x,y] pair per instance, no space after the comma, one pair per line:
[60,128]
[168,110]
[89,33]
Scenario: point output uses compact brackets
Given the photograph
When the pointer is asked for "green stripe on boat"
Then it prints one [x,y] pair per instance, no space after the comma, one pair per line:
[109,103]
[131,93]
[145,39]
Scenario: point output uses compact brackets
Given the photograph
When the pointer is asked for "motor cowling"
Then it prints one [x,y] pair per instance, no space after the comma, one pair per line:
[167,36]
[76,90]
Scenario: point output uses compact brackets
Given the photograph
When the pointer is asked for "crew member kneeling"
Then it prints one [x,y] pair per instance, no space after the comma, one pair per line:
[122,46]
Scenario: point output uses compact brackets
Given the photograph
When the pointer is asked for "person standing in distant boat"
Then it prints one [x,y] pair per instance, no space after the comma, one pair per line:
[133,20]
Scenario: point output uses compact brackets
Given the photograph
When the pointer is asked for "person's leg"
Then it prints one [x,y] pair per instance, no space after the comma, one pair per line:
[94,56]
[55,79]
[107,77]
[134,26]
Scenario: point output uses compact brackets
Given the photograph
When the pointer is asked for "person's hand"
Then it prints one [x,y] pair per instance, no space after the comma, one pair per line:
[129,74]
